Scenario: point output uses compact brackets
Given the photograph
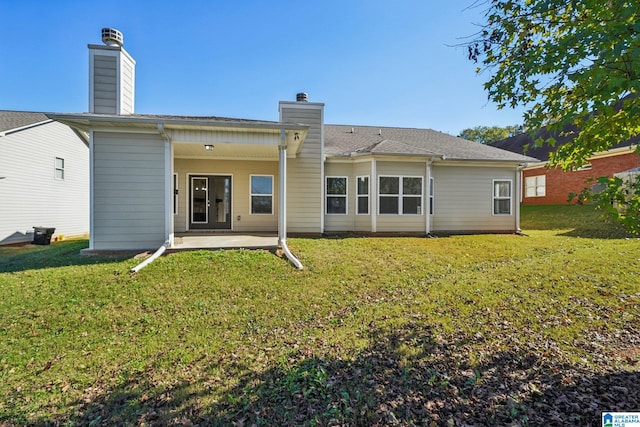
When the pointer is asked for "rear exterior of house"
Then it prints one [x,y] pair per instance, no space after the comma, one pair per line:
[154,177]
[44,178]
[542,185]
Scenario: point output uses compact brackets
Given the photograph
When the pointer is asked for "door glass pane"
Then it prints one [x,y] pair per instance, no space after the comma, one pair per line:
[199,199]
[222,191]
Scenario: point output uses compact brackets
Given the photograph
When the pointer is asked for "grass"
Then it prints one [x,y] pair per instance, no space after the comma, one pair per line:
[374,331]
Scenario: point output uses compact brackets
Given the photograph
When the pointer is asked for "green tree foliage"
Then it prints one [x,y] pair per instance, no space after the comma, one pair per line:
[618,200]
[568,62]
[488,134]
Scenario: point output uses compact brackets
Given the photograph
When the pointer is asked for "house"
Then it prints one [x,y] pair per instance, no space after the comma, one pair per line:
[542,185]
[156,176]
[44,177]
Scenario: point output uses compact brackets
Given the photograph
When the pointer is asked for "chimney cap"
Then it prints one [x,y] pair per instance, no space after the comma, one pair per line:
[112,37]
[302,97]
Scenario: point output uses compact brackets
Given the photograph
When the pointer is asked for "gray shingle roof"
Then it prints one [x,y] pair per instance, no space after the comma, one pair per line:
[10,120]
[344,140]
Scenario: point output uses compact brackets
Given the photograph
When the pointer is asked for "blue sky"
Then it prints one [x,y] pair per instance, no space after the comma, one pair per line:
[379,63]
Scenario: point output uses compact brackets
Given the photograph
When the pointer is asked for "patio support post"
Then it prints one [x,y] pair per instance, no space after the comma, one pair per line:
[427,208]
[282,184]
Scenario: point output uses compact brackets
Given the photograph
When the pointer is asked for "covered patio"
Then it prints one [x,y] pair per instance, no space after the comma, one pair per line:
[224,240]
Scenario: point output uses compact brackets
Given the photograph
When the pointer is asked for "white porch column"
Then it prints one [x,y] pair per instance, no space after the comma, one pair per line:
[282,185]
[518,196]
[374,196]
[427,209]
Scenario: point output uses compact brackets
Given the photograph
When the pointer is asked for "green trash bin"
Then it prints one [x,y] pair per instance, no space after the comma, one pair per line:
[42,235]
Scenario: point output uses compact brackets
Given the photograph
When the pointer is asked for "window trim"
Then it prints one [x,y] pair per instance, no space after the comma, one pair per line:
[367,195]
[400,195]
[57,169]
[535,186]
[252,194]
[345,195]
[494,197]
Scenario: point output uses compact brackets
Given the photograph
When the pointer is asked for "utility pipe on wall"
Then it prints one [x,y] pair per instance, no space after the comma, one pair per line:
[282,205]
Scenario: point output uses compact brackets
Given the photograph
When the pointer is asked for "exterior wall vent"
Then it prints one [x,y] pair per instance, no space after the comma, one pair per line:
[302,97]
[112,37]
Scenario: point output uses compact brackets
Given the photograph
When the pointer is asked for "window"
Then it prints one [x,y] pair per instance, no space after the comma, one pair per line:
[535,186]
[362,190]
[431,197]
[59,168]
[175,194]
[336,195]
[501,197]
[400,195]
[262,194]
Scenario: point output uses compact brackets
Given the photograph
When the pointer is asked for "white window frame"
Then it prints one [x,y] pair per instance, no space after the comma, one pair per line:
[59,169]
[536,186]
[495,197]
[345,195]
[252,194]
[400,194]
[363,196]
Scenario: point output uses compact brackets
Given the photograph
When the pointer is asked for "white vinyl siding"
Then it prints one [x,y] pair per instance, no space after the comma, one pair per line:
[241,218]
[305,184]
[29,193]
[129,191]
[261,188]
[464,199]
[105,84]
[535,186]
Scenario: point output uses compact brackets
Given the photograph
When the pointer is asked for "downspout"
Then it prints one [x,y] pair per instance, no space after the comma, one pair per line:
[152,258]
[282,202]
[168,182]
[428,201]
[167,204]
[519,169]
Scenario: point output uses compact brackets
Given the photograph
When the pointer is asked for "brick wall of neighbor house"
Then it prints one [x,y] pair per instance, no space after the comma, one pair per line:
[559,184]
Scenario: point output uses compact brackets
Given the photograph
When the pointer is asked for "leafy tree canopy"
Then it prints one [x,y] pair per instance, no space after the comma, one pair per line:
[488,134]
[568,62]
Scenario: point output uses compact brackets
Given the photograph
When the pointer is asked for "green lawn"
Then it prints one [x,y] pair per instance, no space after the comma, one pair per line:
[476,330]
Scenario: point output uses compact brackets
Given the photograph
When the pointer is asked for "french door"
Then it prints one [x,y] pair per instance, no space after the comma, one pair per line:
[210,202]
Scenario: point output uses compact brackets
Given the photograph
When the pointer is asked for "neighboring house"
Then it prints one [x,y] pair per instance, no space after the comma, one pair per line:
[44,177]
[551,186]
[153,176]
